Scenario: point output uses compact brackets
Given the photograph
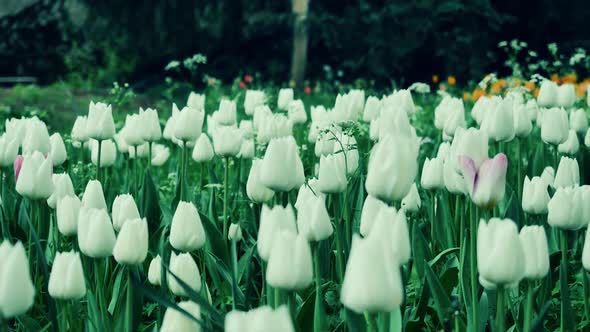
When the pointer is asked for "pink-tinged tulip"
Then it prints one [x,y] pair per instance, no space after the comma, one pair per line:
[18,164]
[487,184]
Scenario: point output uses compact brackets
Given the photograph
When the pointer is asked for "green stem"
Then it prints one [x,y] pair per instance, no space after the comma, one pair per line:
[586,295]
[500,313]
[234,260]
[135,175]
[563,276]
[347,225]
[339,254]
[183,163]
[528,309]
[432,218]
[384,322]
[129,301]
[225,198]
[318,312]
[149,163]
[4,326]
[371,322]
[98,160]
[473,264]
[99,292]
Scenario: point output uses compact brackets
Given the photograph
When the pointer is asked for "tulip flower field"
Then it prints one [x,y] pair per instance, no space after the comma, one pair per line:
[406,211]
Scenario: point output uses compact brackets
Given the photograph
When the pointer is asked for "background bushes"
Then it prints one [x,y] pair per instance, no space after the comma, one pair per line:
[98,42]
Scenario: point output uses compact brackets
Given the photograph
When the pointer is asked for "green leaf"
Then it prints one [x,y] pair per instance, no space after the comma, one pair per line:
[215,241]
[420,250]
[305,316]
[355,322]
[441,300]
[150,203]
[116,292]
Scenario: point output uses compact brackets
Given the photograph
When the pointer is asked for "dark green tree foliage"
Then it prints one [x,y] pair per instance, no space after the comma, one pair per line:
[108,40]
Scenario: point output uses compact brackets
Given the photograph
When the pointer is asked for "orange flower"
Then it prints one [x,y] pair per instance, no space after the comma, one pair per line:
[478,93]
[452,80]
[570,78]
[530,86]
[434,78]
[466,96]
[536,93]
[581,87]
[555,77]
[496,87]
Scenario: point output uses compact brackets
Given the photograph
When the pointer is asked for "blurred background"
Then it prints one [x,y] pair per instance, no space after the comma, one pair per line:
[94,43]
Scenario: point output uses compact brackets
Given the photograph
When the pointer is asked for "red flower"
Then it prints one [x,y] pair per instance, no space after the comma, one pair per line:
[242,85]
[248,78]
[307,90]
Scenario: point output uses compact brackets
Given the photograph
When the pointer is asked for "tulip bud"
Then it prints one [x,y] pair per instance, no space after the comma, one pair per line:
[151,125]
[568,173]
[307,192]
[522,122]
[79,130]
[290,265]
[535,196]
[487,184]
[176,321]
[252,100]
[571,145]
[100,124]
[547,94]
[313,220]
[587,139]
[66,281]
[412,201]
[499,123]
[586,250]
[58,149]
[566,95]
[196,101]
[93,196]
[34,179]
[500,255]
[374,130]
[332,176]
[555,127]
[8,150]
[184,268]
[345,150]
[324,145]
[155,271]
[394,122]
[123,209]
[186,232]
[565,209]
[432,174]
[284,99]
[282,169]
[226,115]
[188,125]
[160,154]
[532,109]
[235,231]
[372,281]
[548,176]
[536,253]
[296,111]
[96,236]
[372,109]
[261,319]
[62,186]
[470,142]
[273,126]
[255,190]
[392,168]
[203,150]
[16,287]
[227,141]
[371,208]
[391,228]
[131,246]
[272,222]
[455,118]
[108,153]
[67,211]
[454,181]
[247,150]
[36,137]
[579,121]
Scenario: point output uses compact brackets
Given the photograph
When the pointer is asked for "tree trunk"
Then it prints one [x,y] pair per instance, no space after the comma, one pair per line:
[300,36]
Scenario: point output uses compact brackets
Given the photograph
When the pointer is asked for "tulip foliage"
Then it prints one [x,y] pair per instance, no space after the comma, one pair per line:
[265,212]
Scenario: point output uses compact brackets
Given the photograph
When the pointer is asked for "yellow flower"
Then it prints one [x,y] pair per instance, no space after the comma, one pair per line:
[452,80]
